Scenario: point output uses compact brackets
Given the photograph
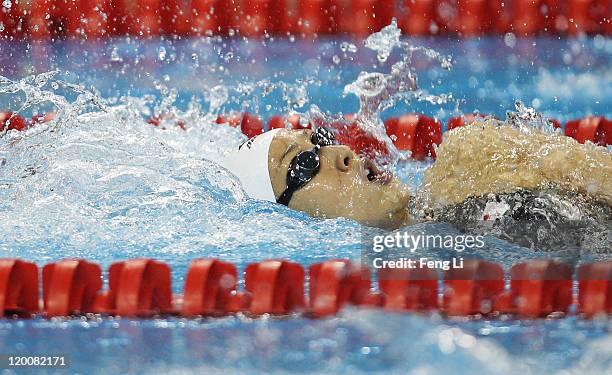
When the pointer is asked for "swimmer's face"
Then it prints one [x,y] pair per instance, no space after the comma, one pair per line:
[346,185]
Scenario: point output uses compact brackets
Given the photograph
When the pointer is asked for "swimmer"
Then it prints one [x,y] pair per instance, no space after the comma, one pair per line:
[486,169]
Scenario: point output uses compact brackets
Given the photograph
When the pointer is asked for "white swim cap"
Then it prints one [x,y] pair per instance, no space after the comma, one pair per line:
[250,164]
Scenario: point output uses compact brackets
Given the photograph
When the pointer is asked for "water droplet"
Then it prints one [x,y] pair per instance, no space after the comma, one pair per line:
[599,41]
[510,40]
[196,59]
[348,47]
[336,59]
[161,53]
[218,96]
[433,28]
[7,4]
[301,96]
[384,41]
[115,55]
[567,58]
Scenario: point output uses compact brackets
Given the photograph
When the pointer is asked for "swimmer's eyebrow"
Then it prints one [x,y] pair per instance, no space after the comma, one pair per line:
[287,152]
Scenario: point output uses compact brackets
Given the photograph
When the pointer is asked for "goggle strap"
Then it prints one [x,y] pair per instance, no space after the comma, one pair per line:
[285,197]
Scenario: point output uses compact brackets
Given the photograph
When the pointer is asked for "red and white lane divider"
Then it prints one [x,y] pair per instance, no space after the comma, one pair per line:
[142,288]
[412,132]
[46,19]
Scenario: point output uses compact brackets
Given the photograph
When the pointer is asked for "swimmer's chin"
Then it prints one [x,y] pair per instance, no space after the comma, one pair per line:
[393,220]
[397,216]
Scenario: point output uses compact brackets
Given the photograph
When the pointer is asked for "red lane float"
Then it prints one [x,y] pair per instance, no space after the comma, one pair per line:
[336,283]
[362,20]
[554,20]
[52,18]
[250,125]
[595,288]
[291,122]
[408,289]
[253,18]
[416,133]
[209,287]
[92,17]
[13,20]
[141,17]
[226,15]
[446,15]
[502,19]
[141,287]
[47,19]
[197,18]
[59,18]
[538,288]
[281,18]
[384,11]
[587,16]
[176,18]
[275,287]
[473,289]
[313,18]
[12,121]
[596,129]
[527,17]
[419,17]
[473,17]
[18,288]
[276,122]
[137,287]
[70,287]
[233,119]
[202,16]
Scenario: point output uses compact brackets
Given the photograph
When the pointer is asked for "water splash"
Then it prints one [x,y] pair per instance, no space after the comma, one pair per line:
[378,91]
[527,119]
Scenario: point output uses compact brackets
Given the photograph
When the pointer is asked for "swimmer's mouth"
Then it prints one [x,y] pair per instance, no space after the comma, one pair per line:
[373,174]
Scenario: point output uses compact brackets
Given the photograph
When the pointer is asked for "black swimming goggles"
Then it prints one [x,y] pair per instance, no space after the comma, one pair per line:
[306,164]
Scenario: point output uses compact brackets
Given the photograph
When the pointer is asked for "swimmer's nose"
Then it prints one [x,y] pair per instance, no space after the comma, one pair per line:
[338,156]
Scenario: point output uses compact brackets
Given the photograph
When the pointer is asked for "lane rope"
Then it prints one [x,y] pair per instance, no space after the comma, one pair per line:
[142,288]
[50,19]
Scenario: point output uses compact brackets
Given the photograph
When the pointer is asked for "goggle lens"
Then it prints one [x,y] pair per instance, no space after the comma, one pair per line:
[306,164]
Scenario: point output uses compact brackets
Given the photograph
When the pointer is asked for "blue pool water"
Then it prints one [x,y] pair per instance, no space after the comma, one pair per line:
[101,184]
